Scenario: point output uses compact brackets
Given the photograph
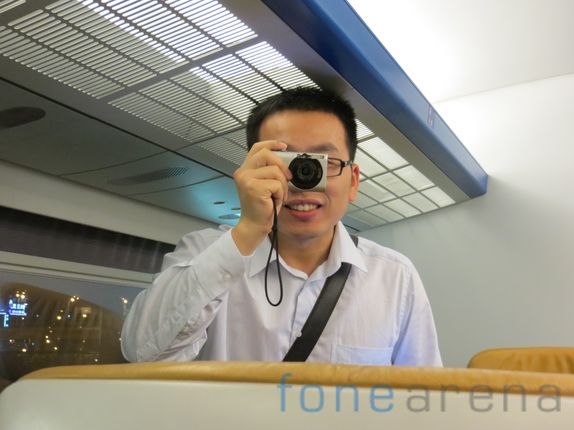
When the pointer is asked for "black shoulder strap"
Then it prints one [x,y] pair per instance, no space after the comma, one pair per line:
[320,314]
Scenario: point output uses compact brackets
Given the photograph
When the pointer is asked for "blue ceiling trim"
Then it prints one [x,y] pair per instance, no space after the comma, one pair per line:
[342,39]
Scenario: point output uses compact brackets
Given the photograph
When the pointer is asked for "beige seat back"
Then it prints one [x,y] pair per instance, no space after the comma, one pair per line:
[289,396]
[539,359]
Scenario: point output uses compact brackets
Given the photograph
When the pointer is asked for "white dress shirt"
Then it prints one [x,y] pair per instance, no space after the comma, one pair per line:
[209,303]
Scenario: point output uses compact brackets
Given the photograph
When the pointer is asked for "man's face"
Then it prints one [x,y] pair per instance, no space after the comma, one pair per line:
[308,215]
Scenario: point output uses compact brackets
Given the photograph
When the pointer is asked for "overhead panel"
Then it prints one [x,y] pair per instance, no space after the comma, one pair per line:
[214,200]
[151,174]
[185,74]
[64,141]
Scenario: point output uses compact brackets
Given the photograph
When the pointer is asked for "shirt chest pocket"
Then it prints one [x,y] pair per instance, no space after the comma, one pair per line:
[345,354]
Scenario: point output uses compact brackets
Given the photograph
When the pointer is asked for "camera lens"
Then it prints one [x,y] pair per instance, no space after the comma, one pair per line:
[307,172]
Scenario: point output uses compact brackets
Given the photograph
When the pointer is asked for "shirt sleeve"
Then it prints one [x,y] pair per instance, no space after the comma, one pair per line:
[169,320]
[418,343]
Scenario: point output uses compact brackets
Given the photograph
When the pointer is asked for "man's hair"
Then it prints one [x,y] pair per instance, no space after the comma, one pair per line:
[307,100]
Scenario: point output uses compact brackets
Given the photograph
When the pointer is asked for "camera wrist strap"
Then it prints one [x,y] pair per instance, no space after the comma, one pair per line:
[320,313]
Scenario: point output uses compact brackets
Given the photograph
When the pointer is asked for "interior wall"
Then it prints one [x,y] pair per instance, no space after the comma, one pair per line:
[498,269]
[32,191]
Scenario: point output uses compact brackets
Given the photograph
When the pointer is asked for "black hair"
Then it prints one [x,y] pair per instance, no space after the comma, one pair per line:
[305,99]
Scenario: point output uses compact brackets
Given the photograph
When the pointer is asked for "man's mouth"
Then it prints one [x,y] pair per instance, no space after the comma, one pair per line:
[305,207]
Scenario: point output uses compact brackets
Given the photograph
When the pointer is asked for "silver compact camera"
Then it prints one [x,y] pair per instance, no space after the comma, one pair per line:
[309,170]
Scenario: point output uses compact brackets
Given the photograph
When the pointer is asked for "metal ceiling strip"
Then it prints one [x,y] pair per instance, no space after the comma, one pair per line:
[214,92]
[385,213]
[66,58]
[412,176]
[88,22]
[421,202]
[367,164]
[10,4]
[368,218]
[21,10]
[402,208]
[379,150]
[394,184]
[183,100]
[378,193]
[173,72]
[438,196]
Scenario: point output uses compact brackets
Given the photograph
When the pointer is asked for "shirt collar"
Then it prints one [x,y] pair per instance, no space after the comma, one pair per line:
[343,250]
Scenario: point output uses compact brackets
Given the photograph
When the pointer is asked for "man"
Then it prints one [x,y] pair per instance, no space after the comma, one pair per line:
[210,301]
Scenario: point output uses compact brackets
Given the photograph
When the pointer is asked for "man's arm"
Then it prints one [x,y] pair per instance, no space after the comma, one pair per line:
[169,320]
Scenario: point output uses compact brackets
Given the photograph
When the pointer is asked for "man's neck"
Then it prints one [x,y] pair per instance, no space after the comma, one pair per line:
[305,254]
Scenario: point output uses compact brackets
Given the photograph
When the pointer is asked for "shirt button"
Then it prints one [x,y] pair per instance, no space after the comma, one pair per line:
[227,276]
[298,333]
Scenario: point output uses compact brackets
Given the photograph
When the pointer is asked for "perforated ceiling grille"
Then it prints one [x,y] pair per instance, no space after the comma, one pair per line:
[215,97]
[100,47]
[156,175]
[391,189]
[6,5]
[193,69]
[228,147]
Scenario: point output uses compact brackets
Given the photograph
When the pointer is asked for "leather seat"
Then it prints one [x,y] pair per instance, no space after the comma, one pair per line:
[535,359]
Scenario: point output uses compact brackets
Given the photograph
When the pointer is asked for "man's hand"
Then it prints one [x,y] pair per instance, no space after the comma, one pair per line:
[260,181]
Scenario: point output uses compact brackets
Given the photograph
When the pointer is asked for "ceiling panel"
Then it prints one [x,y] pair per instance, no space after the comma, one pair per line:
[64,141]
[385,213]
[180,78]
[201,200]
[156,173]
[364,220]
[225,153]
[355,223]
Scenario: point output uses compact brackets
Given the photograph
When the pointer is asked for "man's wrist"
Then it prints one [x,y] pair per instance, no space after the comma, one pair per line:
[247,238]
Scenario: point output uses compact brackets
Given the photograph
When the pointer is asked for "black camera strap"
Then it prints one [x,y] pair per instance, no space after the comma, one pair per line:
[320,313]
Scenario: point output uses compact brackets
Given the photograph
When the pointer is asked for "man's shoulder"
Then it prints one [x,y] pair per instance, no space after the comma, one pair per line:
[374,251]
[192,244]
[202,238]
[210,232]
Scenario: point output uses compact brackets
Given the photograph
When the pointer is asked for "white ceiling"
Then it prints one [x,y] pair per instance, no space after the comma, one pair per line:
[123,117]
[453,48]
[449,48]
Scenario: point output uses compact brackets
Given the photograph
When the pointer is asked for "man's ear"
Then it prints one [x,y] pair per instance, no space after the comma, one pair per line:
[354,182]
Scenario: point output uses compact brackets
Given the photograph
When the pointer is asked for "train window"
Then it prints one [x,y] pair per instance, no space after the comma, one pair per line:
[50,321]
[65,289]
